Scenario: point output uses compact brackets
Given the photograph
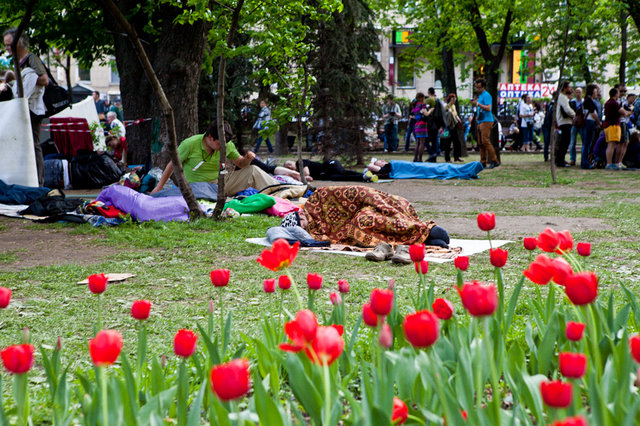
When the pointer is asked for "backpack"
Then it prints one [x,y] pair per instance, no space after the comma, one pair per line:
[438,114]
[578,120]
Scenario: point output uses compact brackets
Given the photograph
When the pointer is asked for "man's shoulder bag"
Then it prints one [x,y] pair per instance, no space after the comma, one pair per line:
[55,97]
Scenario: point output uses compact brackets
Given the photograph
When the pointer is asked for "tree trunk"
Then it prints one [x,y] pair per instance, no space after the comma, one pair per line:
[448,75]
[217,212]
[177,67]
[167,109]
[622,72]
[634,11]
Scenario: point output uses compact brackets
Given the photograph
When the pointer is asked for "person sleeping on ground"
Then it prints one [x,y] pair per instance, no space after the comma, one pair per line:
[200,157]
[329,170]
[362,216]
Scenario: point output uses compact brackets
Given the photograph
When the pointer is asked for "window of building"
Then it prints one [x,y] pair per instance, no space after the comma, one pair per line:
[84,74]
[406,74]
[115,77]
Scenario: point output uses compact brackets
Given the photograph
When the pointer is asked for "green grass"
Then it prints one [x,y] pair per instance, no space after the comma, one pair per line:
[171,263]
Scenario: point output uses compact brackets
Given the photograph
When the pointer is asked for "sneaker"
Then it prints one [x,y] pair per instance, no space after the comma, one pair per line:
[367,176]
[383,251]
[402,255]
[612,167]
[374,178]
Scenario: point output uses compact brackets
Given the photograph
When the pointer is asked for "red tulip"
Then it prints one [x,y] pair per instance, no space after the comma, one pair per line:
[284,282]
[422,267]
[548,240]
[231,380]
[421,328]
[314,281]
[17,359]
[381,301]
[461,262]
[220,277]
[280,256]
[479,300]
[140,309]
[343,286]
[584,249]
[486,221]
[561,270]
[400,412]
[369,317]
[335,298]
[301,331]
[565,242]
[97,283]
[574,330]
[572,365]
[416,252]
[498,257]
[540,270]
[556,393]
[269,285]
[5,297]
[386,336]
[443,308]
[529,243]
[105,347]
[184,343]
[581,288]
[634,345]
[327,346]
[571,421]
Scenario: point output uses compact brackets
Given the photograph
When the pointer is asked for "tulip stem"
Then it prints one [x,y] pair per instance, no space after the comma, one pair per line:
[327,393]
[105,400]
[495,395]
[478,370]
[99,312]
[22,398]
[294,286]
[489,237]
[221,301]
[499,280]
[279,313]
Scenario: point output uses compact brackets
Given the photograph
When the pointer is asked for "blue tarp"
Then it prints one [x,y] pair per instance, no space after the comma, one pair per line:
[410,170]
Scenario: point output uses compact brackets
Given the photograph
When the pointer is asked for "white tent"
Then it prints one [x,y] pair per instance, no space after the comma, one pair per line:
[85,109]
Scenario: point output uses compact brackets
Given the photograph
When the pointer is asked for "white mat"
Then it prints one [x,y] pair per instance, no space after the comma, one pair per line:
[12,210]
[469,248]
[18,159]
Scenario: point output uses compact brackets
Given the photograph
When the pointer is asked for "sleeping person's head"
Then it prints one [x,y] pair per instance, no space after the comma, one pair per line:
[295,219]
[290,164]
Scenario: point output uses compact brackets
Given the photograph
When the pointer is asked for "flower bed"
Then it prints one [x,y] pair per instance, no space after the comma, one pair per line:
[424,365]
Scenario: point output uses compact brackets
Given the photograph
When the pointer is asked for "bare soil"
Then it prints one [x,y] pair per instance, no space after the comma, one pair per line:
[451,206]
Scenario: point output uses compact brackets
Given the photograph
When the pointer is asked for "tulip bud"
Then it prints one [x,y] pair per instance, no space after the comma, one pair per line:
[530,243]
[392,284]
[335,299]
[269,285]
[284,282]
[314,281]
[637,381]
[163,361]
[212,308]
[59,344]
[461,263]
[26,337]
[343,286]
[386,336]
[584,249]
[422,267]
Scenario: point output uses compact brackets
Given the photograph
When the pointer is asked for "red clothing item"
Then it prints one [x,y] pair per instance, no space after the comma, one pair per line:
[611,113]
[117,153]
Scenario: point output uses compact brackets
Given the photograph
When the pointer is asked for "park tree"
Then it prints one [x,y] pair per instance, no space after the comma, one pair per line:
[347,77]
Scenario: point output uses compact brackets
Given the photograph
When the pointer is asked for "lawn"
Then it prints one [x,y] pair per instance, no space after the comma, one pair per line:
[172,261]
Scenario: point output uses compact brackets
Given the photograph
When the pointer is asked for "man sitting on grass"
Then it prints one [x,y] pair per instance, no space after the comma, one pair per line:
[200,157]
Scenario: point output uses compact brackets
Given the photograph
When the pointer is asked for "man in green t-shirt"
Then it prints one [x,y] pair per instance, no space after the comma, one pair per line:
[200,157]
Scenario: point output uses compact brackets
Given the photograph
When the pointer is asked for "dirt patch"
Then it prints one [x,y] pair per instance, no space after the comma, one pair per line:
[24,247]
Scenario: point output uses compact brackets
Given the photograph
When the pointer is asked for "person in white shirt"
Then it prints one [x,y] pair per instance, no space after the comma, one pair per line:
[526,123]
[116,128]
[564,119]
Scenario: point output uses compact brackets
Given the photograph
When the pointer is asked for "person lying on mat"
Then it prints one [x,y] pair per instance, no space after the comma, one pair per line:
[365,217]
[329,170]
[200,156]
